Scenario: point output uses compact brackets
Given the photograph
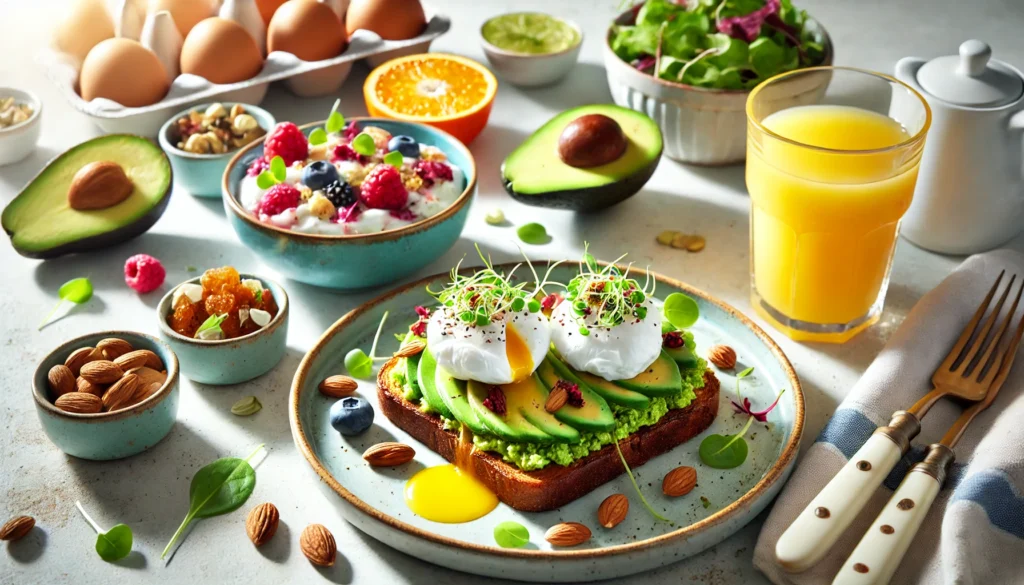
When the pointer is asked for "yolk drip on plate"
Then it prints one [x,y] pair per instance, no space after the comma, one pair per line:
[450,493]
[519,359]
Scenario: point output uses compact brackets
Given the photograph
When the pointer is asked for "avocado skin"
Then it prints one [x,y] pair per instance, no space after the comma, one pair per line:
[106,239]
[586,198]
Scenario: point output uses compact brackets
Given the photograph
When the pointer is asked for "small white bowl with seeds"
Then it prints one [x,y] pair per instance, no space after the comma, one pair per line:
[20,115]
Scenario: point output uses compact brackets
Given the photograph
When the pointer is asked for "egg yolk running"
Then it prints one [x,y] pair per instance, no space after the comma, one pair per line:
[520,362]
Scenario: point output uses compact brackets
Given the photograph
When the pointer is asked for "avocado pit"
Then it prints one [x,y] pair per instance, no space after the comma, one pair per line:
[591,140]
[98,185]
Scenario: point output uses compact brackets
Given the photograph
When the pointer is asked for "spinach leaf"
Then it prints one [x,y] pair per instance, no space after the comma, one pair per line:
[77,291]
[680,310]
[112,545]
[725,451]
[511,535]
[220,487]
[766,57]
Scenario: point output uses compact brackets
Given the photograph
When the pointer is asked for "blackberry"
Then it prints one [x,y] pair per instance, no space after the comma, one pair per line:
[341,194]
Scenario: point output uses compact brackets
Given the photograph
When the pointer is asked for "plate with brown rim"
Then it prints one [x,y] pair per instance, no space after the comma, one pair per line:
[723,501]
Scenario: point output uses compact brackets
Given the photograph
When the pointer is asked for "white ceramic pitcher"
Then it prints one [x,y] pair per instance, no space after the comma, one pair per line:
[970,191]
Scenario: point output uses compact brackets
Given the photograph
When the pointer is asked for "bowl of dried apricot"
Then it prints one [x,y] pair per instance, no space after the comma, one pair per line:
[226,327]
[107,395]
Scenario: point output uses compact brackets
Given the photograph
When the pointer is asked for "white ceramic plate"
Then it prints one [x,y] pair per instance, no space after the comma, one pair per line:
[371,499]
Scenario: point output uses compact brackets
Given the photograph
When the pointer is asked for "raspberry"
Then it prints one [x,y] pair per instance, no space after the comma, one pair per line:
[144,273]
[279,198]
[287,142]
[673,340]
[431,171]
[351,131]
[383,189]
[258,166]
[495,401]
[574,396]
[345,152]
[349,214]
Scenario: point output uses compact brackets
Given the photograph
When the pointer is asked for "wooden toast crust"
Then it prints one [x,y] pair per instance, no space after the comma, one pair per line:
[554,485]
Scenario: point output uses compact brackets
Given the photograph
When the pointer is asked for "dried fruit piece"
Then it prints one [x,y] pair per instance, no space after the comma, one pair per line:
[389,454]
[317,543]
[679,482]
[723,356]
[338,386]
[114,348]
[261,524]
[61,381]
[17,527]
[567,534]
[612,510]
[79,402]
[101,372]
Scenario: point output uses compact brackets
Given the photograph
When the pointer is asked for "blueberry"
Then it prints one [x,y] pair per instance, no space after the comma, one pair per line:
[319,174]
[406,145]
[351,415]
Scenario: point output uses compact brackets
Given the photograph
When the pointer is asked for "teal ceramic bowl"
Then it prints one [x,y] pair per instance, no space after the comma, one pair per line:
[355,261]
[109,435]
[200,174]
[229,361]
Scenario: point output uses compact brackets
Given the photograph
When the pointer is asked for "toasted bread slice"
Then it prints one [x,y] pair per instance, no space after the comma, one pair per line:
[554,485]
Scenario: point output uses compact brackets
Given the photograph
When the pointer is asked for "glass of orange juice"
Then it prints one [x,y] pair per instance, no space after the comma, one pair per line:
[832,160]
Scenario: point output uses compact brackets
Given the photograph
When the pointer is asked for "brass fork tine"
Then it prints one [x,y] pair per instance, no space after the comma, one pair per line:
[981,341]
[986,371]
[954,353]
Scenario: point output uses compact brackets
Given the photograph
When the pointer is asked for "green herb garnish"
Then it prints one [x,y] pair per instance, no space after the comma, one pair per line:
[533,233]
[394,158]
[259,297]
[317,136]
[511,535]
[112,545]
[363,144]
[75,291]
[636,487]
[358,363]
[220,487]
[275,175]
[725,451]
[335,121]
[705,502]
[680,310]
[605,297]
[212,324]
[740,376]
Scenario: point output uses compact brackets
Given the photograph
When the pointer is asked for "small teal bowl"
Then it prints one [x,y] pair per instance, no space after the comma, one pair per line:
[200,174]
[109,435]
[360,261]
[229,361]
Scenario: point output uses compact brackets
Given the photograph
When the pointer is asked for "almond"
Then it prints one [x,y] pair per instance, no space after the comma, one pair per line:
[317,543]
[567,534]
[389,454]
[143,392]
[79,358]
[114,348]
[98,185]
[261,524]
[120,394]
[17,528]
[612,510]
[556,399]
[410,349]
[61,381]
[79,402]
[723,356]
[338,386]
[101,372]
[136,359]
[148,376]
[83,385]
[679,482]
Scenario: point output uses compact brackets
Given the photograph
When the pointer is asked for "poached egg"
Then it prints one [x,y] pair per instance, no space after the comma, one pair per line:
[613,353]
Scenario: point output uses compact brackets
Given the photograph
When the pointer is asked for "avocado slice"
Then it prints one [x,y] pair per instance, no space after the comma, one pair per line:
[41,224]
[529,397]
[685,355]
[454,396]
[511,426]
[594,415]
[535,174]
[412,365]
[607,390]
[427,374]
[661,378]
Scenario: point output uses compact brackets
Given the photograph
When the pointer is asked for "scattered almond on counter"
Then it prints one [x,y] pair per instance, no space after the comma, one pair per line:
[613,510]
[338,386]
[17,527]
[679,482]
[261,524]
[723,356]
[317,543]
[567,534]
[389,454]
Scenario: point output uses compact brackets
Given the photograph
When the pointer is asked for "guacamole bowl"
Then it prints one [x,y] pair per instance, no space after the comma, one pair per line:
[357,261]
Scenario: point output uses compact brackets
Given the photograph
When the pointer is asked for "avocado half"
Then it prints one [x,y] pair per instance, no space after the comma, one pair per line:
[41,224]
[535,175]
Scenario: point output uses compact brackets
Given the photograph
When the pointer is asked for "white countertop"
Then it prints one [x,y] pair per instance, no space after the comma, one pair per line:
[149,492]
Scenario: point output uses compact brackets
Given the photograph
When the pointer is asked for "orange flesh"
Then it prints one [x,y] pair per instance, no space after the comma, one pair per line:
[431,88]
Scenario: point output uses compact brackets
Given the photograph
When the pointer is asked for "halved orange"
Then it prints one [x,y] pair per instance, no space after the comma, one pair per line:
[445,91]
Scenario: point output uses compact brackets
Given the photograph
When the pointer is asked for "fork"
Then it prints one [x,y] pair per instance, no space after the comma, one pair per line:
[882,547]
[831,512]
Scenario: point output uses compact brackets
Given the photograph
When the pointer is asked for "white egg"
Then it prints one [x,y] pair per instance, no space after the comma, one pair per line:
[616,353]
[489,354]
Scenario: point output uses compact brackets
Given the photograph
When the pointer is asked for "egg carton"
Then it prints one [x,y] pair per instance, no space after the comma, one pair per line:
[303,78]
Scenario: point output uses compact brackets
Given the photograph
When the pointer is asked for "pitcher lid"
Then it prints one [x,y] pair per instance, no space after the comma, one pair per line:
[970,78]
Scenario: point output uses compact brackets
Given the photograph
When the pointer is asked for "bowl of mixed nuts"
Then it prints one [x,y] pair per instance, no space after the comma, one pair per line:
[19,124]
[200,142]
[107,395]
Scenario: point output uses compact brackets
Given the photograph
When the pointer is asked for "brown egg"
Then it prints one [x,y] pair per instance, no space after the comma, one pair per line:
[221,51]
[85,24]
[124,71]
[307,29]
[268,8]
[186,13]
[393,20]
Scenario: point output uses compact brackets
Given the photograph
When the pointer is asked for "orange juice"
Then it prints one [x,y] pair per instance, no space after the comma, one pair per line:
[825,211]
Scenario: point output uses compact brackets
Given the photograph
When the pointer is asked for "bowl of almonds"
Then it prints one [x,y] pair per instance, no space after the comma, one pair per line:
[107,395]
[200,142]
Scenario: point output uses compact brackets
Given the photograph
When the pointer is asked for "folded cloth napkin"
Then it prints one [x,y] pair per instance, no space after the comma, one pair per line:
[974,532]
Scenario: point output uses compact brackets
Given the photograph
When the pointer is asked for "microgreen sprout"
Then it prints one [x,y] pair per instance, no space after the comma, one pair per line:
[276,174]
[358,363]
[607,295]
[487,294]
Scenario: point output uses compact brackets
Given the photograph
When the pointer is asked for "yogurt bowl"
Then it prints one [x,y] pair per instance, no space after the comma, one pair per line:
[361,245]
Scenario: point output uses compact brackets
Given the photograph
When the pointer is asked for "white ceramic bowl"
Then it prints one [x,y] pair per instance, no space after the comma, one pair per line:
[17,142]
[700,126]
[529,69]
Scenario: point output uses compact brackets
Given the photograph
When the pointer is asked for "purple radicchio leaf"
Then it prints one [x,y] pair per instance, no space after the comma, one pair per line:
[759,416]
[644,63]
[748,26]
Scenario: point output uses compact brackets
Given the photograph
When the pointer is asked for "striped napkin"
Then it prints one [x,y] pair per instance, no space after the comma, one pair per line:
[974,532]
